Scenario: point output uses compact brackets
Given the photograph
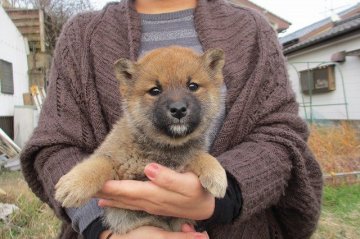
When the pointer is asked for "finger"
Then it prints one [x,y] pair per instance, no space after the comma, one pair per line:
[130,188]
[116,236]
[117,204]
[143,205]
[135,204]
[187,228]
[158,233]
[125,190]
[115,187]
[171,180]
[181,235]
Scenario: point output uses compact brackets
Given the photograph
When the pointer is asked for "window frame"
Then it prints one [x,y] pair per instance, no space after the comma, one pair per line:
[9,88]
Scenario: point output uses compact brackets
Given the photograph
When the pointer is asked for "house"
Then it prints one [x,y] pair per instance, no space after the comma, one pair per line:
[278,23]
[324,66]
[14,80]
[32,23]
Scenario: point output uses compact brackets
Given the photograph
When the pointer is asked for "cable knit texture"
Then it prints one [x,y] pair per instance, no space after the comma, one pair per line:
[262,142]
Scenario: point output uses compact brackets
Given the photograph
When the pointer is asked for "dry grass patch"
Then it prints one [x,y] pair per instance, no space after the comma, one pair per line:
[331,227]
[34,220]
[337,148]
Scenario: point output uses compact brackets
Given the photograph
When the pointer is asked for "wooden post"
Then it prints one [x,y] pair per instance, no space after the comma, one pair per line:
[42,31]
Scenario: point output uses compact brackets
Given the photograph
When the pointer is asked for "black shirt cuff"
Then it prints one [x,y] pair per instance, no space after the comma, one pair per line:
[94,230]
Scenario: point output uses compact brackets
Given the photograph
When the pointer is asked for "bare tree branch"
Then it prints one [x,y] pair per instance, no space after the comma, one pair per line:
[57,13]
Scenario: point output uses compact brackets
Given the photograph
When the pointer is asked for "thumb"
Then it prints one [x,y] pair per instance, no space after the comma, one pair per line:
[170,179]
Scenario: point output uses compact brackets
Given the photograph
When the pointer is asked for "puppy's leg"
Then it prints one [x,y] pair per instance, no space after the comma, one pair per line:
[211,174]
[83,181]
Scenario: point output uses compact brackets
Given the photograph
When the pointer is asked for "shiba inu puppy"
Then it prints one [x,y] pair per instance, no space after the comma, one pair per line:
[170,97]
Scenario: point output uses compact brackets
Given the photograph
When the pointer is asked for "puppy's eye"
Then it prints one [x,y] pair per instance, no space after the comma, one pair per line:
[155,91]
[193,87]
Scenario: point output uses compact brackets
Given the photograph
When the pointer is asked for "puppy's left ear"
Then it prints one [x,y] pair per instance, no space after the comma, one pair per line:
[214,59]
[125,70]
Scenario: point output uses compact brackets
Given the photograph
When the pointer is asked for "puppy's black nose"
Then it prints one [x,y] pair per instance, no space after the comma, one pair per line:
[178,109]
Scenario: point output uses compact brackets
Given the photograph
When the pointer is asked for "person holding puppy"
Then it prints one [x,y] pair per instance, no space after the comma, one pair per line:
[274,181]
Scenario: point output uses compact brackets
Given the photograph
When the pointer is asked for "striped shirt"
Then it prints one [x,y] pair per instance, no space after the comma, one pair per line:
[165,29]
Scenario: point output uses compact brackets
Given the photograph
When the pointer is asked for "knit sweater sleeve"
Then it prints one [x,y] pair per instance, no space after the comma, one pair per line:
[272,162]
[58,143]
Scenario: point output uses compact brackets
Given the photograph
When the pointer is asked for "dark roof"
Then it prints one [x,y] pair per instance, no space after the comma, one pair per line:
[341,28]
[303,31]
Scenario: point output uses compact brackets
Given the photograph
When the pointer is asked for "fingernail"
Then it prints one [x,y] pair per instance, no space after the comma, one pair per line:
[152,170]
[100,203]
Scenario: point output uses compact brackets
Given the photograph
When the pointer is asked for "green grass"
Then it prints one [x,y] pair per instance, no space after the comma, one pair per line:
[342,201]
[340,218]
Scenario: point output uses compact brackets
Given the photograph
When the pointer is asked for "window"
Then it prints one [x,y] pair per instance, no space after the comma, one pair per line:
[318,80]
[6,77]
[7,125]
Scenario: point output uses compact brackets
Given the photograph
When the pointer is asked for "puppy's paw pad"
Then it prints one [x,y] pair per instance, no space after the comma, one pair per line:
[72,192]
[215,183]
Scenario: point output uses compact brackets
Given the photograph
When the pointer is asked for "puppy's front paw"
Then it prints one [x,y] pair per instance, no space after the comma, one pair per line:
[73,190]
[215,182]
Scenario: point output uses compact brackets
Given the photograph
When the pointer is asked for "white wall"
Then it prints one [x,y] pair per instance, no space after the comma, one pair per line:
[350,70]
[25,121]
[13,50]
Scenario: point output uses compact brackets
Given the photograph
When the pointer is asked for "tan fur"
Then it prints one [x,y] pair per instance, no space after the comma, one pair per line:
[135,142]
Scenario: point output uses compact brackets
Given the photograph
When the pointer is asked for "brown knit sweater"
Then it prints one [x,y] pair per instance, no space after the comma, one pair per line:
[262,142]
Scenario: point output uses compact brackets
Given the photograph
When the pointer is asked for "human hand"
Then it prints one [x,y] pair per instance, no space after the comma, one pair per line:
[168,193]
[156,233]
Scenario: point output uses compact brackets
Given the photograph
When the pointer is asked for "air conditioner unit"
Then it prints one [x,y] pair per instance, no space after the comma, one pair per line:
[318,80]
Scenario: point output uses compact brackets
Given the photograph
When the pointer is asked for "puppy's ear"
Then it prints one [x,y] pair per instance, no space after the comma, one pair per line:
[125,70]
[214,59]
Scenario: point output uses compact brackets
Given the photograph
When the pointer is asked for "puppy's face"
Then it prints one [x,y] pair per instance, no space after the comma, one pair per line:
[171,94]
